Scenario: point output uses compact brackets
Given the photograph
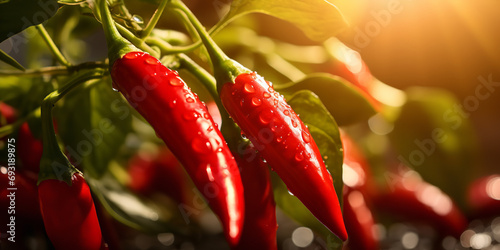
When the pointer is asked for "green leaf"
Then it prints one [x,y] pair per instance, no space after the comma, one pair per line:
[340,98]
[93,125]
[4,57]
[139,213]
[17,15]
[326,134]
[318,19]
[434,137]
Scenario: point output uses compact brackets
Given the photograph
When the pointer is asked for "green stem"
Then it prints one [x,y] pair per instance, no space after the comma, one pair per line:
[154,19]
[52,46]
[54,164]
[225,69]
[168,49]
[55,70]
[117,45]
[135,40]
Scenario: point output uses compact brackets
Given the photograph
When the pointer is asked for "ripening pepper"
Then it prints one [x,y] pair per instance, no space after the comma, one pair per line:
[483,196]
[69,214]
[259,230]
[182,121]
[286,144]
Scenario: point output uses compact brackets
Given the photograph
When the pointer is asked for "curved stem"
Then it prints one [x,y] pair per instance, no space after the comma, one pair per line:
[55,70]
[54,164]
[154,19]
[52,46]
[168,49]
[135,40]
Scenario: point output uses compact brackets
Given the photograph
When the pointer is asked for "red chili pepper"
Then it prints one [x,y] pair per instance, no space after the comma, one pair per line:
[286,144]
[358,186]
[25,194]
[259,230]
[29,149]
[158,173]
[484,196]
[411,198]
[7,114]
[359,221]
[69,214]
[184,124]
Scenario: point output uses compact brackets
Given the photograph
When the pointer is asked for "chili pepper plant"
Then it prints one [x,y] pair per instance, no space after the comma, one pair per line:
[159,124]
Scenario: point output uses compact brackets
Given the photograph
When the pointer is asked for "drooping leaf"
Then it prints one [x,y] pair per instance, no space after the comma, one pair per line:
[93,125]
[339,97]
[325,132]
[318,19]
[4,57]
[434,137]
[17,15]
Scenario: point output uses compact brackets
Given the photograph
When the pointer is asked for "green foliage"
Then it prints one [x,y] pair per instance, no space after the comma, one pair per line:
[17,15]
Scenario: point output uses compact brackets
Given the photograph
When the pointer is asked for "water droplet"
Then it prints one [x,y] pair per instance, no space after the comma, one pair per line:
[249,88]
[138,19]
[152,61]
[172,103]
[256,101]
[270,84]
[242,102]
[210,129]
[243,135]
[266,95]
[175,81]
[201,145]
[279,139]
[131,55]
[270,89]
[206,116]
[189,99]
[190,116]
[116,90]
[286,112]
[306,167]
[306,136]
[294,123]
[209,172]
[275,103]
[266,116]
[299,156]
[290,192]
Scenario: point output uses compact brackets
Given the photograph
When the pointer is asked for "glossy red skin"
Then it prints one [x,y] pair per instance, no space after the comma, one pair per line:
[26,197]
[259,230]
[285,142]
[7,114]
[69,214]
[483,196]
[413,199]
[359,221]
[357,214]
[160,173]
[186,127]
[30,149]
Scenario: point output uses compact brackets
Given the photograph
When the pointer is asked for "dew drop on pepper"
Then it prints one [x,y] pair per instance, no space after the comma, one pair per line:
[249,88]
[190,116]
[266,116]
[306,136]
[266,95]
[201,145]
[152,61]
[131,55]
[299,156]
[256,101]
[189,100]
[175,81]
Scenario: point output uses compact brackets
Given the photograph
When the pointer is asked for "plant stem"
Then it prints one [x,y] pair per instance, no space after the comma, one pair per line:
[225,69]
[52,46]
[53,159]
[154,19]
[135,40]
[168,49]
[55,70]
